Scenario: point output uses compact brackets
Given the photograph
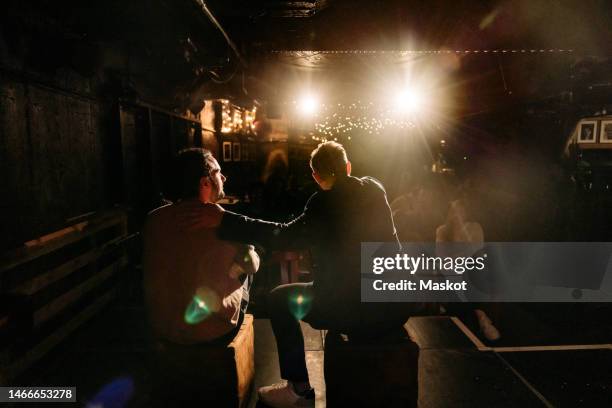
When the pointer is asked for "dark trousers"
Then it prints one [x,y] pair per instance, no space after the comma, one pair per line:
[287,305]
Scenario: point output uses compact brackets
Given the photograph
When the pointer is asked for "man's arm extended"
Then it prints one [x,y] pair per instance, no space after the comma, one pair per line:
[271,235]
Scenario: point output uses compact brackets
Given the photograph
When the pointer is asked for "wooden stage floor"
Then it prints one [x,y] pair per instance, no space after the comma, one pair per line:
[456,369]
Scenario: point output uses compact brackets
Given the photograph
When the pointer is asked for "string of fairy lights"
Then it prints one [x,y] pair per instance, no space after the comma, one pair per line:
[342,120]
[333,121]
[306,53]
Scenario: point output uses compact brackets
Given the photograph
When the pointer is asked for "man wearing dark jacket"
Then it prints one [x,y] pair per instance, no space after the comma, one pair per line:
[336,220]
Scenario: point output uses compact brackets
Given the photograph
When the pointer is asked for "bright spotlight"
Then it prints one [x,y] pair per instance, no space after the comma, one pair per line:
[308,105]
[409,101]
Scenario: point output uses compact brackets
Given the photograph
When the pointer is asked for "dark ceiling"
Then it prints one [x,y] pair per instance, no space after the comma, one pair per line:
[486,52]
[493,49]
[388,24]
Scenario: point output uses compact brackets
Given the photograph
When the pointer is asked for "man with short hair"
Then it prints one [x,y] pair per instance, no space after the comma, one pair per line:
[192,278]
[336,220]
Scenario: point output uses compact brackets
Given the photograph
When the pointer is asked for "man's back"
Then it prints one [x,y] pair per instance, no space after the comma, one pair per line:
[334,224]
[354,211]
[184,262]
[336,220]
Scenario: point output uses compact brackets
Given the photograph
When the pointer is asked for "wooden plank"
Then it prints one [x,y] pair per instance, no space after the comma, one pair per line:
[41,281]
[42,348]
[568,347]
[244,361]
[56,235]
[51,309]
[595,146]
[25,254]
[140,104]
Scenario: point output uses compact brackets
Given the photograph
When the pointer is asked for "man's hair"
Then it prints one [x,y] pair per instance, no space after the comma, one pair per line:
[189,166]
[329,160]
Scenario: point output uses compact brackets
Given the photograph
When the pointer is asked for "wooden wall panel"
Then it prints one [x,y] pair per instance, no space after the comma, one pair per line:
[136,150]
[15,154]
[53,160]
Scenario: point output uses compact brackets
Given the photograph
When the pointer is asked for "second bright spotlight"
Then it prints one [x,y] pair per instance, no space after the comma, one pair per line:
[308,105]
[411,100]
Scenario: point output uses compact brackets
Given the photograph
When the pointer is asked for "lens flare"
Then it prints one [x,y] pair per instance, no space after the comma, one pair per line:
[196,311]
[204,302]
[115,394]
[299,305]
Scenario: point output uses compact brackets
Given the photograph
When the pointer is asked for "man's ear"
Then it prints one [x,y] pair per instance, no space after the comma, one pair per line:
[205,182]
[348,168]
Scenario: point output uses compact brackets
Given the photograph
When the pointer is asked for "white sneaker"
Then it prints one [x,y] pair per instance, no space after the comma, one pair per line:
[486,326]
[282,395]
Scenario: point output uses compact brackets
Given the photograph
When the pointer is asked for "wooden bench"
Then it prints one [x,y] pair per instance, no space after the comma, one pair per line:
[380,372]
[203,375]
[54,284]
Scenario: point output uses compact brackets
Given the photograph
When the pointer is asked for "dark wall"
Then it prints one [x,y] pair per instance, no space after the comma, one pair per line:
[149,140]
[65,69]
[55,158]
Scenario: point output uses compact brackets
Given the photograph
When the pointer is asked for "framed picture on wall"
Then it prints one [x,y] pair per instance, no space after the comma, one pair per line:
[586,131]
[605,135]
[236,152]
[227,151]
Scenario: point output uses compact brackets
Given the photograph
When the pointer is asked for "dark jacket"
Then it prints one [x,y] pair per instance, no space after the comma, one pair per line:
[333,226]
